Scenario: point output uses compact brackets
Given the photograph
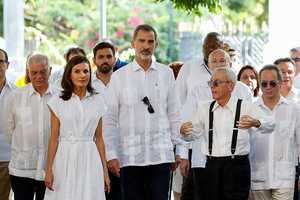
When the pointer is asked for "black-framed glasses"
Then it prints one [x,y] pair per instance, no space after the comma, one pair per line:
[216,83]
[147,102]
[272,83]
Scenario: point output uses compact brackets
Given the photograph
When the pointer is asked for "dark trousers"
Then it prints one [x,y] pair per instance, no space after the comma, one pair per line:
[26,188]
[228,178]
[199,180]
[187,191]
[296,196]
[115,188]
[145,182]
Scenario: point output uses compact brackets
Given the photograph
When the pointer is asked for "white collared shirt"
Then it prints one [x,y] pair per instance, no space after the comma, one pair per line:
[28,126]
[273,156]
[294,95]
[100,87]
[223,126]
[190,76]
[4,144]
[143,138]
[203,93]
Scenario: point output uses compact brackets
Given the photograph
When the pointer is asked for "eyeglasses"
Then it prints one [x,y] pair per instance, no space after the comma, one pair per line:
[296,59]
[216,83]
[147,102]
[272,83]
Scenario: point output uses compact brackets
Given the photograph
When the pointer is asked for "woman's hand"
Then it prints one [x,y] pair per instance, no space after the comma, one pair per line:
[49,180]
[107,182]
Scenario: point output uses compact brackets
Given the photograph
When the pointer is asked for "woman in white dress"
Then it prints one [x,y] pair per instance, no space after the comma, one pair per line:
[76,166]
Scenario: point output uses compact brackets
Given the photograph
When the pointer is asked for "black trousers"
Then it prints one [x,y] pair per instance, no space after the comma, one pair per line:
[146,182]
[296,184]
[187,191]
[199,179]
[228,178]
[115,188]
[26,188]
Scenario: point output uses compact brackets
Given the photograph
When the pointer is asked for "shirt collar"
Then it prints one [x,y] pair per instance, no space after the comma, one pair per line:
[137,67]
[231,104]
[33,92]
[87,94]
[282,100]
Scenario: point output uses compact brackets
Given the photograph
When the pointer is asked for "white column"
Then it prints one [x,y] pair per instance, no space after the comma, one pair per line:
[14,35]
[103,24]
[284,32]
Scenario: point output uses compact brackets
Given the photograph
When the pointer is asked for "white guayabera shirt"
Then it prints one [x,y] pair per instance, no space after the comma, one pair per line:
[132,134]
[273,156]
[4,144]
[28,127]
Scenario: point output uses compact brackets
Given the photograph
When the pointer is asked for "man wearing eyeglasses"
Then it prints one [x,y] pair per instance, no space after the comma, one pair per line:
[191,75]
[273,156]
[225,124]
[5,90]
[202,92]
[142,122]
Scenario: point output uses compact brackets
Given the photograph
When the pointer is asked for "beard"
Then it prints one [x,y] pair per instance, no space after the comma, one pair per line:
[105,69]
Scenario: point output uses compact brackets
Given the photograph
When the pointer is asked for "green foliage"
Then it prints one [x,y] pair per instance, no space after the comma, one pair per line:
[196,6]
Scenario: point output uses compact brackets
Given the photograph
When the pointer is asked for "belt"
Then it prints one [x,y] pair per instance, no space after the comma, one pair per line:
[74,139]
[224,158]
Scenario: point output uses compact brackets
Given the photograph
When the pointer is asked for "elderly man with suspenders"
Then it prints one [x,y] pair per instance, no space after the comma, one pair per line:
[225,124]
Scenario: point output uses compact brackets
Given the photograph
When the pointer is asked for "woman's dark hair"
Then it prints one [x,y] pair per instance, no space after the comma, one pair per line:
[67,84]
[256,90]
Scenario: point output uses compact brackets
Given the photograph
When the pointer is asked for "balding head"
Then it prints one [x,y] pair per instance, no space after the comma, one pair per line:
[218,58]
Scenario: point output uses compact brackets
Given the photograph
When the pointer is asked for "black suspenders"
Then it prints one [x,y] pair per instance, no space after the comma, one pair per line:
[235,128]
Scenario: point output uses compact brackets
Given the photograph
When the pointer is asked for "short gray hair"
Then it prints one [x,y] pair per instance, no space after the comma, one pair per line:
[37,58]
[228,72]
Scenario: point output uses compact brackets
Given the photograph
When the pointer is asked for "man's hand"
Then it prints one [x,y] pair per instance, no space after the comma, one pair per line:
[114,167]
[176,164]
[247,122]
[186,128]
[184,167]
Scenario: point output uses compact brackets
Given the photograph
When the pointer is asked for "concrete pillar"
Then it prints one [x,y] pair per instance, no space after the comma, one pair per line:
[14,35]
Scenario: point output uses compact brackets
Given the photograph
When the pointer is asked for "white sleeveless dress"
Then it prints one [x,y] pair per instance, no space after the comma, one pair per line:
[77,167]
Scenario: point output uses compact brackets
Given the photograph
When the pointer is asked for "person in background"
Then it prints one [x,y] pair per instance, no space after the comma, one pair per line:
[56,77]
[273,156]
[104,59]
[5,90]
[177,177]
[28,128]
[249,76]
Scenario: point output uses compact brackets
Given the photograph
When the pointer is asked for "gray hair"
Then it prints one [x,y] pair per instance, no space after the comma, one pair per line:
[228,72]
[37,58]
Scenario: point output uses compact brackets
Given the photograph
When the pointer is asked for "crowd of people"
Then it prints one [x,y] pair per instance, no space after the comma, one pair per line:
[205,130]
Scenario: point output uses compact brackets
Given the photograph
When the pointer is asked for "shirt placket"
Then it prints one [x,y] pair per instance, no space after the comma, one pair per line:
[40,135]
[146,77]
